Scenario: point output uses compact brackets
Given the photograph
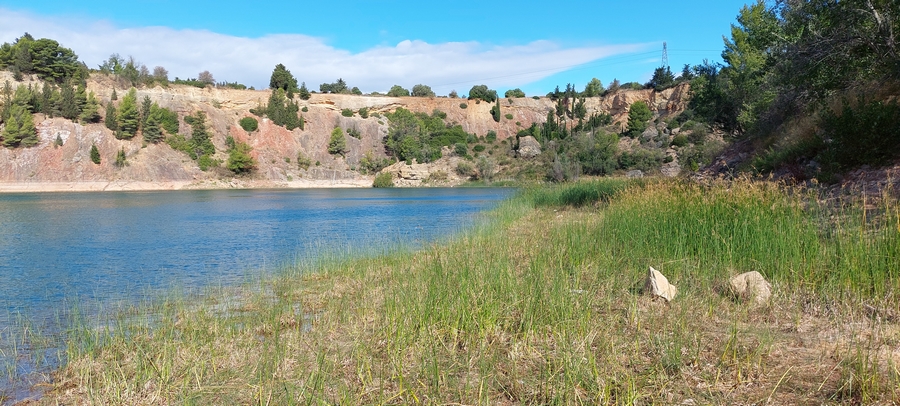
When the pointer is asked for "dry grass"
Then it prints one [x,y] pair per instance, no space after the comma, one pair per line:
[541,306]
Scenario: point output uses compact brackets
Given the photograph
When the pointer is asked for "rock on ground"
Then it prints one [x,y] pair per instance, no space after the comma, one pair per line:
[751,286]
[657,285]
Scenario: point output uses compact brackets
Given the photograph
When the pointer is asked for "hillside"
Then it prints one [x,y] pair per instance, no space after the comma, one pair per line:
[48,166]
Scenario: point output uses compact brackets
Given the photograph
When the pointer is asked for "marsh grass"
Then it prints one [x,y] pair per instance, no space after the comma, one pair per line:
[542,305]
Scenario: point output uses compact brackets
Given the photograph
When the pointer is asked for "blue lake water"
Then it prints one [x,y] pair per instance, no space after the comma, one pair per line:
[119,247]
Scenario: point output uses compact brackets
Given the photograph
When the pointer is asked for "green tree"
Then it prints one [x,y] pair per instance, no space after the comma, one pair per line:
[383,179]
[495,111]
[91,111]
[19,128]
[284,80]
[482,92]
[662,78]
[95,154]
[421,90]
[111,122]
[594,88]
[201,143]
[161,76]
[146,104]
[638,115]
[239,159]
[127,116]
[131,73]
[304,92]
[514,93]
[121,158]
[68,106]
[152,132]
[397,91]
[338,143]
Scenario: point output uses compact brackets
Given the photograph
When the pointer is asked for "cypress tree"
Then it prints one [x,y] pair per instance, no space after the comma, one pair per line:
[95,154]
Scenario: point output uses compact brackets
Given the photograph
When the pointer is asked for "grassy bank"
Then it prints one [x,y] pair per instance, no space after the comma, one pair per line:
[542,305]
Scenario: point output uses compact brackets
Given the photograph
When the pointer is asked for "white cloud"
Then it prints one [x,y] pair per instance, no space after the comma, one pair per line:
[185,53]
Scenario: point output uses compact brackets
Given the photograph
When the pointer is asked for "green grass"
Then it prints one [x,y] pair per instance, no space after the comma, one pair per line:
[541,305]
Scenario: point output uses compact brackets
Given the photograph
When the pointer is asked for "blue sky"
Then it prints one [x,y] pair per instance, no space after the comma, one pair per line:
[453,45]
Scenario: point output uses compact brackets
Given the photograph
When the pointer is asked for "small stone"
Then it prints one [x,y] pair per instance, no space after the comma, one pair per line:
[751,286]
[657,285]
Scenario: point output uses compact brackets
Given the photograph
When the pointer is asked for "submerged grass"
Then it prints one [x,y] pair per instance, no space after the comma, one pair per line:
[541,305]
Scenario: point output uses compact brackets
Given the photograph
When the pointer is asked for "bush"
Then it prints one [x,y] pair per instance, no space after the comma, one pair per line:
[536,97]
[347,113]
[514,93]
[383,179]
[463,105]
[95,154]
[509,116]
[363,112]
[478,148]
[338,143]
[461,149]
[638,115]
[491,136]
[465,169]
[862,134]
[304,109]
[303,161]
[249,124]
[680,140]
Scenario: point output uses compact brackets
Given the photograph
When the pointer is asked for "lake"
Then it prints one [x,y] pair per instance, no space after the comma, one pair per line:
[105,248]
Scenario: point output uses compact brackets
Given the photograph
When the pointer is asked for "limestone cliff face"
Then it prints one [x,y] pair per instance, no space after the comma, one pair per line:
[274,147]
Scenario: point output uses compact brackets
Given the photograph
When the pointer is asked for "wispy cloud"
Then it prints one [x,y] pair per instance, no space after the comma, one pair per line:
[185,53]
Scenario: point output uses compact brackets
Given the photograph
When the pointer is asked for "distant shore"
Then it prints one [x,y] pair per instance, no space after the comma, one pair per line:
[119,186]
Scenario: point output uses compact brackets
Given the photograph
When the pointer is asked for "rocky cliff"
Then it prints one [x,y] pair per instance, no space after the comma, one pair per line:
[275,148]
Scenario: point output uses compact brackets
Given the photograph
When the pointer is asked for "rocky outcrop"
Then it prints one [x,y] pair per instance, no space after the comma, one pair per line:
[275,148]
[529,147]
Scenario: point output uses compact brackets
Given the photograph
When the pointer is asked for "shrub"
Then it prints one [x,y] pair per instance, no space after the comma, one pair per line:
[495,112]
[347,113]
[364,112]
[491,136]
[121,158]
[862,134]
[536,97]
[303,161]
[509,116]
[514,93]
[383,179]
[353,132]
[463,105]
[398,91]
[304,109]
[249,124]
[461,149]
[95,154]
[465,169]
[239,159]
[638,115]
[680,140]
[478,148]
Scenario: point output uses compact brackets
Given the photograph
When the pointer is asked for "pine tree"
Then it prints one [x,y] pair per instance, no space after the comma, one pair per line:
[145,110]
[114,96]
[127,116]
[47,99]
[338,143]
[19,128]
[91,111]
[111,122]
[276,108]
[68,107]
[152,132]
[304,92]
[121,158]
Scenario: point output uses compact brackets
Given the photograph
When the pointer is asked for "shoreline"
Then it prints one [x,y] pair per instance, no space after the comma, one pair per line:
[211,184]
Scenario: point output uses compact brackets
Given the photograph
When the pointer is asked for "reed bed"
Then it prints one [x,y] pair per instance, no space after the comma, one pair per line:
[541,304]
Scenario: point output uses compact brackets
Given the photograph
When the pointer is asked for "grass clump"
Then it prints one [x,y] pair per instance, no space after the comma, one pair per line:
[542,306]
